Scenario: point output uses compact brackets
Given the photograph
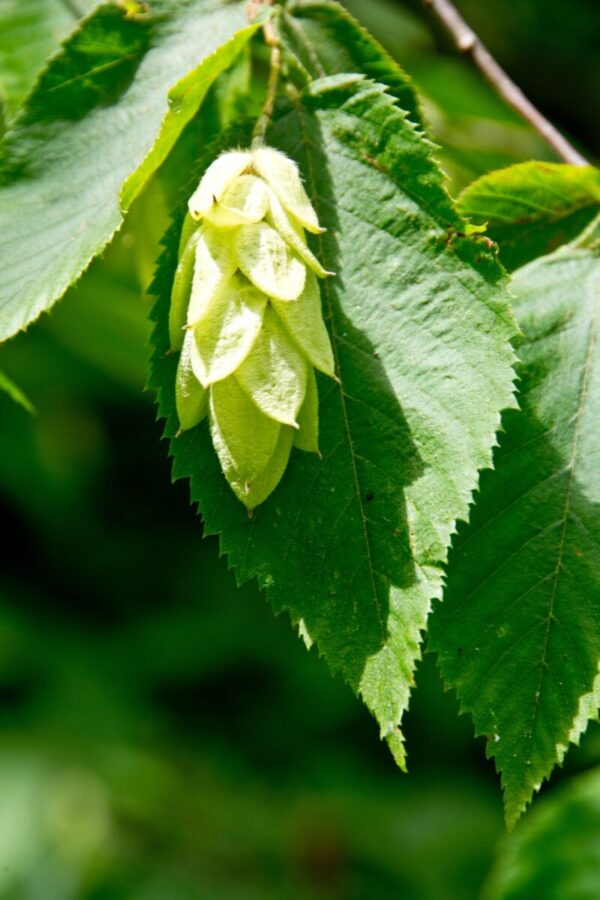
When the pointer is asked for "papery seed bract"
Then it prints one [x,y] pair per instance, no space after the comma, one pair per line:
[180,294]
[226,330]
[255,491]
[307,436]
[214,265]
[216,180]
[278,218]
[191,399]
[269,263]
[282,175]
[187,229]
[274,372]
[304,320]
[245,202]
[249,436]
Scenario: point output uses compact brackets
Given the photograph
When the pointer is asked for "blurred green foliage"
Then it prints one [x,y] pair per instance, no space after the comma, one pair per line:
[162,736]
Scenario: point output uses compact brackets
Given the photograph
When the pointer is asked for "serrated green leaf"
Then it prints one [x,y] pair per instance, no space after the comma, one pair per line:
[554,854]
[518,634]
[353,543]
[86,141]
[533,208]
[326,40]
[30,30]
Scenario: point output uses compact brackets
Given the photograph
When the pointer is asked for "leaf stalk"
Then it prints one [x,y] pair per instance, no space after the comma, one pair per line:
[275,60]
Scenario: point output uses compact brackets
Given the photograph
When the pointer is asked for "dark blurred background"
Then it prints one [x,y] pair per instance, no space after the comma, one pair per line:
[162,735]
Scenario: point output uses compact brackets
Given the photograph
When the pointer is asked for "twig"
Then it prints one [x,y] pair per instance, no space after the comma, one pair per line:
[272,41]
[468,43]
[72,7]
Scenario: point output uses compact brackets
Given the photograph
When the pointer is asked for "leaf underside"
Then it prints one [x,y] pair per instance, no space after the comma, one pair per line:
[518,634]
[85,142]
[352,545]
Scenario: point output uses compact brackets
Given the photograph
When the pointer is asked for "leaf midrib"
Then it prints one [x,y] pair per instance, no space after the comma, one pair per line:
[356,479]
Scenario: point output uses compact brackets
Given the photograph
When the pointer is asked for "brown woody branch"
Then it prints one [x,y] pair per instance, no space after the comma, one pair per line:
[468,43]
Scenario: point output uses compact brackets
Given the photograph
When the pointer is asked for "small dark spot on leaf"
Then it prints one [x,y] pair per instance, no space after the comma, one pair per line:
[369,496]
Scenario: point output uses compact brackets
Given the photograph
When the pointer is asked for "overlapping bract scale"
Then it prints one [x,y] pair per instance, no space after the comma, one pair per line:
[246,316]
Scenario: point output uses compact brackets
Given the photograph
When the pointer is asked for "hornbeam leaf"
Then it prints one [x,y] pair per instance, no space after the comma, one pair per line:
[533,208]
[518,634]
[325,39]
[353,544]
[30,30]
[555,852]
[99,121]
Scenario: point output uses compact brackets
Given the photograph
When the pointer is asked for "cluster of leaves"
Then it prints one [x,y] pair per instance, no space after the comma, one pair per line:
[355,546]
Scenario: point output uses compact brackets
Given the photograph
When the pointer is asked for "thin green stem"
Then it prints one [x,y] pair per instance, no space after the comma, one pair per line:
[275,60]
[72,7]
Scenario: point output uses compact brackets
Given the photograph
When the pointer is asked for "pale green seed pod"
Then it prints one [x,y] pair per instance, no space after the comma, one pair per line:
[180,295]
[265,258]
[274,372]
[304,321]
[246,312]
[214,266]
[226,331]
[191,399]
[282,175]
[292,235]
[307,435]
[216,180]
[245,202]
[248,436]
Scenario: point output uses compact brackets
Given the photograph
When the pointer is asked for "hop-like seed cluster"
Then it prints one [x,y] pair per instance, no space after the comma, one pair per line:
[246,316]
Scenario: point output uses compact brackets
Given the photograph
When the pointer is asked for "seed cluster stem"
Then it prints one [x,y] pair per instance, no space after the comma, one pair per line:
[272,41]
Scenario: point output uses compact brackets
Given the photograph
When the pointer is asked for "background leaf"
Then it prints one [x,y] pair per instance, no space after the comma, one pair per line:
[353,545]
[91,121]
[30,30]
[518,633]
[534,207]
[555,851]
